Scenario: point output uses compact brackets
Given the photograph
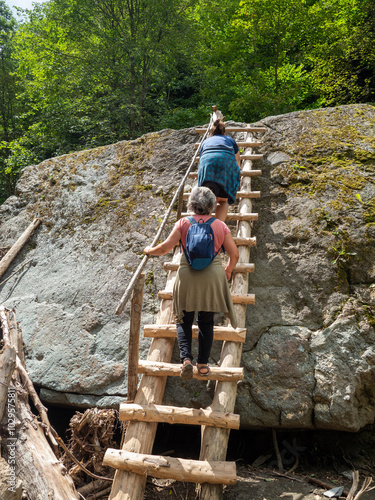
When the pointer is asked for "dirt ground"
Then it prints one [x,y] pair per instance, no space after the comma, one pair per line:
[257,484]
[312,462]
[317,457]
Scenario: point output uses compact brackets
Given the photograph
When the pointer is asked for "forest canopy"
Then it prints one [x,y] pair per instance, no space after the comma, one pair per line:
[77,74]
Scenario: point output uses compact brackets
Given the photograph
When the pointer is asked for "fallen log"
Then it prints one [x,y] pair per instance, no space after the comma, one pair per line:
[25,447]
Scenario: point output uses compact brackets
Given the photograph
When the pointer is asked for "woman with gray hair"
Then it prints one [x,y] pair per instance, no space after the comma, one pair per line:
[206,290]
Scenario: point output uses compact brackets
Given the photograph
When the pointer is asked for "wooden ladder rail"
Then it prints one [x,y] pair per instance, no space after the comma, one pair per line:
[140,436]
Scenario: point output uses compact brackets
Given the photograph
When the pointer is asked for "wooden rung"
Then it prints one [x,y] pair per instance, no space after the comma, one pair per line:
[240,194]
[243,268]
[250,242]
[240,268]
[248,194]
[193,471]
[245,157]
[228,128]
[237,299]
[248,299]
[176,415]
[240,144]
[240,217]
[248,173]
[160,369]
[220,332]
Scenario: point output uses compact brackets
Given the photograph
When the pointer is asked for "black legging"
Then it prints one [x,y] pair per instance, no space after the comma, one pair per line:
[205,322]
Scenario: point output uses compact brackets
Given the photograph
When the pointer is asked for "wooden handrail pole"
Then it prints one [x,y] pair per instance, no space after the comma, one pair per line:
[134,333]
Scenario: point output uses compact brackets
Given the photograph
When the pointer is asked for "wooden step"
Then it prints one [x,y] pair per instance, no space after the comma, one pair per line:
[240,144]
[249,242]
[240,217]
[193,471]
[240,268]
[176,415]
[249,173]
[240,194]
[228,128]
[244,157]
[220,332]
[237,299]
[160,369]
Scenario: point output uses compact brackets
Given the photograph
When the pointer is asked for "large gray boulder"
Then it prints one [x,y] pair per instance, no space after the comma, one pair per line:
[309,357]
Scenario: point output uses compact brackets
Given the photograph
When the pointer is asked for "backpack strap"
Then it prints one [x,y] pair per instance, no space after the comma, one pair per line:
[192,221]
[210,221]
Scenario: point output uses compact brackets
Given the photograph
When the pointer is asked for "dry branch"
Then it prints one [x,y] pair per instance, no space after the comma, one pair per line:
[27,450]
[8,258]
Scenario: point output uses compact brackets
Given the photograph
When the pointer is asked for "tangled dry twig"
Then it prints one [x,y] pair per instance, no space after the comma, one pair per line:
[92,432]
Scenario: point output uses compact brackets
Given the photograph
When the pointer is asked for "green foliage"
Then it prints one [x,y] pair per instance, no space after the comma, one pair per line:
[77,74]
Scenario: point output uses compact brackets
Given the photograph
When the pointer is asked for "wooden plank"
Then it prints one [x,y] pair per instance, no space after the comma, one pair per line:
[220,332]
[231,216]
[243,157]
[249,242]
[239,268]
[229,128]
[193,471]
[250,173]
[237,299]
[178,415]
[248,194]
[240,144]
[134,331]
[242,217]
[159,369]
[8,258]
[240,194]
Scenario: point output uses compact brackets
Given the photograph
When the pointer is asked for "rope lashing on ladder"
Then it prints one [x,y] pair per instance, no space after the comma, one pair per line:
[124,299]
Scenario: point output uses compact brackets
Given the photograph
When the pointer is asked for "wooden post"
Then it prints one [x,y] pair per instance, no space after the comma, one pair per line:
[134,332]
[8,258]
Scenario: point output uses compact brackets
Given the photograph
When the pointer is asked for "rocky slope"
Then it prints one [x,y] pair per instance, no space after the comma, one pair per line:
[309,358]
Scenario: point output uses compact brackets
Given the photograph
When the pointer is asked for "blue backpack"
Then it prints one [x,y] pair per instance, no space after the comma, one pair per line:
[200,244]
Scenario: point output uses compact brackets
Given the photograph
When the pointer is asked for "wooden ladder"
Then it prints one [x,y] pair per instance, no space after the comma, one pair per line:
[135,460]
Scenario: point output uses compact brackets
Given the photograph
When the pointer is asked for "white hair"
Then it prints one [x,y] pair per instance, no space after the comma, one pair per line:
[202,201]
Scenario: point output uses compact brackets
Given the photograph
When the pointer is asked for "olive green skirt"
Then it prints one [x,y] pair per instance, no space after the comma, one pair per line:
[205,290]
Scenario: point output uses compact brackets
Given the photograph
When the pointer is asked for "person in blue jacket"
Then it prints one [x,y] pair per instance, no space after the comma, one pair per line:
[219,168]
